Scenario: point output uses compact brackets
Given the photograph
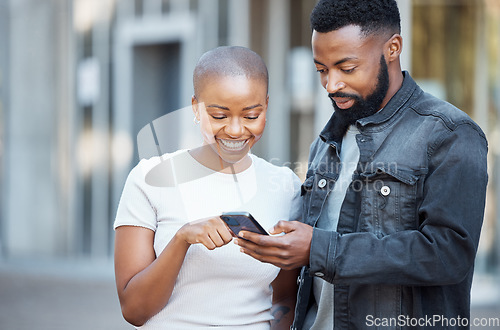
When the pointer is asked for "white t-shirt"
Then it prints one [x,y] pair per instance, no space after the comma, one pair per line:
[222,288]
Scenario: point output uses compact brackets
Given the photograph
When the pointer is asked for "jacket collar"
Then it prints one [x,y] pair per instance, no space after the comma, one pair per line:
[330,133]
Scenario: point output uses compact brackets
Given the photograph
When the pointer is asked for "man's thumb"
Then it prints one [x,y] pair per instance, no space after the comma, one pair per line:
[282,227]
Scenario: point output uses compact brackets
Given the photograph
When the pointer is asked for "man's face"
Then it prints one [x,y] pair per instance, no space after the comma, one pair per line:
[353,71]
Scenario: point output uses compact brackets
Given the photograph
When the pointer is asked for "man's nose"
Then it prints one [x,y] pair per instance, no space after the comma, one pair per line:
[333,83]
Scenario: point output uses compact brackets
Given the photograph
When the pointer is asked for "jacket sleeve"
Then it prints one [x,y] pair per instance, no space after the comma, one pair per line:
[442,249]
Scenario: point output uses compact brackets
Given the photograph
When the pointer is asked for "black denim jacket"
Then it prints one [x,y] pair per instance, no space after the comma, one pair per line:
[403,253]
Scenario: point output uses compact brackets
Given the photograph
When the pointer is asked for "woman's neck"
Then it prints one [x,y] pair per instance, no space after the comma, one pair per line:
[205,156]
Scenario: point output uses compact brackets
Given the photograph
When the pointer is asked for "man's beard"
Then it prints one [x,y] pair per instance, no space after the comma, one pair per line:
[362,107]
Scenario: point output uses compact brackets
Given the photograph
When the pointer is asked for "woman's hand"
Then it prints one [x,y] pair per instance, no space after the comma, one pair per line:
[211,232]
[145,282]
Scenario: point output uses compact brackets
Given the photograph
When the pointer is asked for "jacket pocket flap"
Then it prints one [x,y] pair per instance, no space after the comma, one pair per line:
[405,175]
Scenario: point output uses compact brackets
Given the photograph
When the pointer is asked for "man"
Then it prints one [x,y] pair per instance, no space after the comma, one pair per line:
[395,190]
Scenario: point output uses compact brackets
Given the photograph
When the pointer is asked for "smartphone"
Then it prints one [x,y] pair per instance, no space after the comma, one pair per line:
[237,221]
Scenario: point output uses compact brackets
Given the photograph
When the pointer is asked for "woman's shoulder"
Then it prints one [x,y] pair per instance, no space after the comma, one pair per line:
[264,166]
[277,176]
[146,165]
[153,161]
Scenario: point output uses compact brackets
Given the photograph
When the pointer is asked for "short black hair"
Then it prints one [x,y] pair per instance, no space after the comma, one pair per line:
[229,61]
[372,16]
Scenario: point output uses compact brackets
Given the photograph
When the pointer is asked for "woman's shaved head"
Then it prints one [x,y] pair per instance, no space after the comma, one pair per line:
[229,61]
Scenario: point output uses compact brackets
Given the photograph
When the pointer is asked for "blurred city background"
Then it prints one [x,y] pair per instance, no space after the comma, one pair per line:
[80,78]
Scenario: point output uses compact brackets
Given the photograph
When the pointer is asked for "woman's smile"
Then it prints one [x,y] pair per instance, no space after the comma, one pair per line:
[232,145]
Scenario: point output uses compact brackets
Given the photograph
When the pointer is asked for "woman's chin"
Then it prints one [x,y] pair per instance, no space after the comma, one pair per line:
[232,156]
[233,159]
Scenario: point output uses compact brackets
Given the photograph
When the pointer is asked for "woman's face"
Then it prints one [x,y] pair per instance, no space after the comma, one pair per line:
[232,114]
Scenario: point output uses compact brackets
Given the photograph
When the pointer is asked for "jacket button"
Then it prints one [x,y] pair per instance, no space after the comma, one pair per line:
[385,191]
[322,183]
[319,274]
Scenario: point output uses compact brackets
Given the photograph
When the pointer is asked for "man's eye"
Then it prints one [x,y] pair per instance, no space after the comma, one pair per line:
[348,70]
[320,70]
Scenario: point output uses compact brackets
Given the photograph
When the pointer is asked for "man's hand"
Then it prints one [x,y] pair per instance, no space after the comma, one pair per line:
[288,251]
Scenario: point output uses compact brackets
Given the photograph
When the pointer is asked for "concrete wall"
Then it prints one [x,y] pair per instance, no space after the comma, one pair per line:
[33,187]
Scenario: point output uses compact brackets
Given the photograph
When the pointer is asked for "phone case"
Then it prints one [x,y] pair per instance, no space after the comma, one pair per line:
[238,221]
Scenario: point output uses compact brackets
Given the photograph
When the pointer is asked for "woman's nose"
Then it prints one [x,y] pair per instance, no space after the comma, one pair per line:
[235,128]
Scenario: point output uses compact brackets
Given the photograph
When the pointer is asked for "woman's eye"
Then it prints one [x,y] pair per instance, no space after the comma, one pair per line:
[252,117]
[320,70]
[218,117]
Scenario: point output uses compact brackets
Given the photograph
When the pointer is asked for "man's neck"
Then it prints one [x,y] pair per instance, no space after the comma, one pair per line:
[395,82]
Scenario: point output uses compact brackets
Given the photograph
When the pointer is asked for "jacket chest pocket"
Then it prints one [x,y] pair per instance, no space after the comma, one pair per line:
[389,201]
[314,192]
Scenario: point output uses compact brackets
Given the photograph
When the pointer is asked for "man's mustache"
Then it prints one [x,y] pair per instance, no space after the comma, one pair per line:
[340,94]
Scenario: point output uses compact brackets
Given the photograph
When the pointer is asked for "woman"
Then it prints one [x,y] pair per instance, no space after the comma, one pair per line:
[174,267]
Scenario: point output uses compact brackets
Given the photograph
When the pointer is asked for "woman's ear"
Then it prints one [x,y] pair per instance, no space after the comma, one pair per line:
[194,106]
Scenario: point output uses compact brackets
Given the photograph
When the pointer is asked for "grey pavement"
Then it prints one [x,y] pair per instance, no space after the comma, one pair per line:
[485,302]
[81,295]
[488,314]
[59,296]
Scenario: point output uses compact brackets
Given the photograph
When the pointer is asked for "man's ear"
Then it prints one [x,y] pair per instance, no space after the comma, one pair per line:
[394,47]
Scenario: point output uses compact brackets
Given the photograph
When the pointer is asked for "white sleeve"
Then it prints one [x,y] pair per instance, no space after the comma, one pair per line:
[135,207]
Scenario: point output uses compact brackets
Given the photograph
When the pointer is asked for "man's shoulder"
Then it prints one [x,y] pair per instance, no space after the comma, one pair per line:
[317,143]
[430,107]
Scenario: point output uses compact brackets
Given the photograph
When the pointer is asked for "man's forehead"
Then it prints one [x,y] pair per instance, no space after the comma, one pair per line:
[344,40]
[346,32]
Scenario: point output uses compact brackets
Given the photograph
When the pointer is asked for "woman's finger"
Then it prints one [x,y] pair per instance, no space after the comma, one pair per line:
[216,237]
[225,234]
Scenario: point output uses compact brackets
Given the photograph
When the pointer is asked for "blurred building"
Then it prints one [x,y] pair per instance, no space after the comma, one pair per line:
[80,78]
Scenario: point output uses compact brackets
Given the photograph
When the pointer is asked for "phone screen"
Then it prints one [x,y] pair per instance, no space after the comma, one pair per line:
[238,221]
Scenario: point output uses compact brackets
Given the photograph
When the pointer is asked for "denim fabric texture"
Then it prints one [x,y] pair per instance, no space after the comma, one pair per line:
[409,225]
